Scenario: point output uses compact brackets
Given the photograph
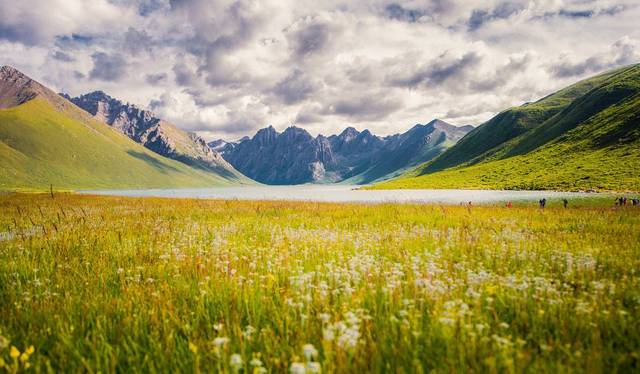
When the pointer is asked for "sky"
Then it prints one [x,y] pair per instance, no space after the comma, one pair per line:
[227,68]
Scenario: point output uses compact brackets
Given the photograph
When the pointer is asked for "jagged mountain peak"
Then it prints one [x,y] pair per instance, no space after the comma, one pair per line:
[16,88]
[293,132]
[158,135]
[8,71]
[294,156]
[348,134]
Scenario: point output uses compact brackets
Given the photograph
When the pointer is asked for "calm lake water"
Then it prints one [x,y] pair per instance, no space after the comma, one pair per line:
[341,193]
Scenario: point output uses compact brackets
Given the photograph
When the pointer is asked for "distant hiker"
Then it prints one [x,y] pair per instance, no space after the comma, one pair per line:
[635,202]
[565,203]
[509,205]
[624,201]
[543,202]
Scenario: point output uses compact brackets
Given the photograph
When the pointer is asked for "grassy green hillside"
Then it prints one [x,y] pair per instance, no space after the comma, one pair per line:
[512,123]
[40,145]
[590,142]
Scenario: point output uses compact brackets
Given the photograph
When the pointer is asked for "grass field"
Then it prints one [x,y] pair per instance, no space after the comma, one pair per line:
[103,284]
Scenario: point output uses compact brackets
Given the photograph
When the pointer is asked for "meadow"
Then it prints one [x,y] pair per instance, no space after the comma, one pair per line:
[106,284]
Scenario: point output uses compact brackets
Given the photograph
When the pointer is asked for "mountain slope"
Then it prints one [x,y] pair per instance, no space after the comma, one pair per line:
[154,133]
[591,143]
[402,152]
[45,139]
[295,157]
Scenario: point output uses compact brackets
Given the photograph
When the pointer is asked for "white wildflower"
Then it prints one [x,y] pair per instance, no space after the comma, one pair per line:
[220,341]
[297,368]
[235,361]
[309,351]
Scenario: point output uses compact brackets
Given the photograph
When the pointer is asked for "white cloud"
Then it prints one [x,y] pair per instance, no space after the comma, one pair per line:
[226,68]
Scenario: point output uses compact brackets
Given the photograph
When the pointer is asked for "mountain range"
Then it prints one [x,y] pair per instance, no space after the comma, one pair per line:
[584,137]
[47,140]
[295,156]
[158,135]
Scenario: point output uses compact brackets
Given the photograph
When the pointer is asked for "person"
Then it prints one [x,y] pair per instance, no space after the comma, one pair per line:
[509,205]
[543,202]
[565,203]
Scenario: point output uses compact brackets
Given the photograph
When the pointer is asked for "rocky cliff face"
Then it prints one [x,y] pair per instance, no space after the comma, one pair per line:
[295,157]
[154,133]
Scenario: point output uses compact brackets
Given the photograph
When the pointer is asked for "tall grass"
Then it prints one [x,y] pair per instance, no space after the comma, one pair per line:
[103,284]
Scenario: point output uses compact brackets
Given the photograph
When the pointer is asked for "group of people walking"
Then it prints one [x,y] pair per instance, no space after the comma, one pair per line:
[622,201]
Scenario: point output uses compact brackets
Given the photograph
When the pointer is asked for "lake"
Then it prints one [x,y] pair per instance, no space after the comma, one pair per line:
[342,193]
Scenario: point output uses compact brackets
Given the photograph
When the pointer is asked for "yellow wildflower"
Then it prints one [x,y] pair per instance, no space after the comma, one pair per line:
[14,352]
[193,348]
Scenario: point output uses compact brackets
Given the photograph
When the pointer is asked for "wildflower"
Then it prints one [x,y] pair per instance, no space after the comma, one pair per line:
[14,352]
[297,368]
[309,351]
[193,348]
[4,342]
[220,341]
[314,367]
[328,334]
[120,270]
[255,362]
[218,326]
[248,331]
[235,361]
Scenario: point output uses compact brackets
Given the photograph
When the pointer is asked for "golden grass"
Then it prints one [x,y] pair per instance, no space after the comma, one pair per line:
[105,284]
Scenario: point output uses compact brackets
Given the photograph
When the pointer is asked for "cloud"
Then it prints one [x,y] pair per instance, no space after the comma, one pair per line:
[33,22]
[225,68]
[62,56]
[108,67]
[136,41]
[438,71]
[373,106]
[623,52]
[184,75]
[398,12]
[502,11]
[309,36]
[295,87]
[154,79]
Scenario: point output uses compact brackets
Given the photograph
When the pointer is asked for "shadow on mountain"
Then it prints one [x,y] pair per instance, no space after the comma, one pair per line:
[204,166]
[152,161]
